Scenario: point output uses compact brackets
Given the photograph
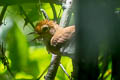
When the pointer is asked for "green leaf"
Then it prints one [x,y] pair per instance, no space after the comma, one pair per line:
[32,11]
[18,49]
[41,56]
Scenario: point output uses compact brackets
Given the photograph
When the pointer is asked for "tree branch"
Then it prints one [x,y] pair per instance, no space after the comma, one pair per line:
[3,13]
[53,68]
[66,13]
[44,71]
[55,61]
[56,58]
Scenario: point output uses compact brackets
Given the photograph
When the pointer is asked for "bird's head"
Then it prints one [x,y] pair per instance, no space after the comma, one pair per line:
[46,28]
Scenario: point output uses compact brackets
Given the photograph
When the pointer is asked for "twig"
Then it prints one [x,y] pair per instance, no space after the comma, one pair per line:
[44,13]
[44,71]
[62,67]
[27,18]
[52,68]
[5,61]
[3,13]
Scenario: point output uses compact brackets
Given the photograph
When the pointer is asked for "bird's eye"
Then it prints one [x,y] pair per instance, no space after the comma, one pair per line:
[45,28]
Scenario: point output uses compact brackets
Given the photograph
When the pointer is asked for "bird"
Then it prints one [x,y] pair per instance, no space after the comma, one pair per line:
[54,36]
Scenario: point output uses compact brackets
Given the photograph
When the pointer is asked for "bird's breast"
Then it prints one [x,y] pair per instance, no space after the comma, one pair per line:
[52,49]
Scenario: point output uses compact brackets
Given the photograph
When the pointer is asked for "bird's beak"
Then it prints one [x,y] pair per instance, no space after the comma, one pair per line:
[32,33]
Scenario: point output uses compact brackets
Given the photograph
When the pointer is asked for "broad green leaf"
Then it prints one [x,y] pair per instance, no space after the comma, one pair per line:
[18,49]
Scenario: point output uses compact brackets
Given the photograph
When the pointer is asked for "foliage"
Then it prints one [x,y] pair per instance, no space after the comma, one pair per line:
[27,59]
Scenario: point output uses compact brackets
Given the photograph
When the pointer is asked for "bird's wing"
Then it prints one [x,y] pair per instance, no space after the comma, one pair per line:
[62,36]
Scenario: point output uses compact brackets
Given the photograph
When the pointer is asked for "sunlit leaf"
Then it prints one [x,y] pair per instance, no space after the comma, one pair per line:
[2,68]
[22,75]
[41,56]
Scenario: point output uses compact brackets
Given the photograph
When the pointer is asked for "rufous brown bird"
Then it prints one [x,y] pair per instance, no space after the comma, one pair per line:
[54,36]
